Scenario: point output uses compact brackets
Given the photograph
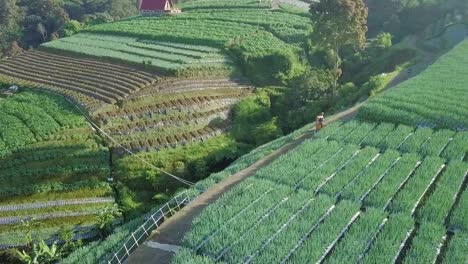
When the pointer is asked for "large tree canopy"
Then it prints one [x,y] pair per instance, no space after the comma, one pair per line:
[339,23]
[403,17]
[9,26]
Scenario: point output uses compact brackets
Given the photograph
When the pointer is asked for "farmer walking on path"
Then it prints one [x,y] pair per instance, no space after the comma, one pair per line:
[320,121]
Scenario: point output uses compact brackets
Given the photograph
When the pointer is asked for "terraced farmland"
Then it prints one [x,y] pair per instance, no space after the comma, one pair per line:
[436,98]
[173,113]
[164,56]
[92,79]
[210,28]
[123,72]
[80,66]
[53,167]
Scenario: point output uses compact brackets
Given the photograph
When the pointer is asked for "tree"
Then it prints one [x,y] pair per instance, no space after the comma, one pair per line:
[382,41]
[41,254]
[72,27]
[123,8]
[10,29]
[339,23]
[43,21]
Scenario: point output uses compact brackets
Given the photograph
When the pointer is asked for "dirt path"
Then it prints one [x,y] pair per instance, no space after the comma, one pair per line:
[170,234]
[426,61]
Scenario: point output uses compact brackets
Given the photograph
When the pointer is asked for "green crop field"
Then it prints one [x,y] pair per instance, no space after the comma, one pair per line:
[386,184]
[126,49]
[208,40]
[357,192]
[193,39]
[436,98]
[54,168]
[335,199]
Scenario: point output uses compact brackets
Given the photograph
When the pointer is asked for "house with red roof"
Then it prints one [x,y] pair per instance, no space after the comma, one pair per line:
[156,7]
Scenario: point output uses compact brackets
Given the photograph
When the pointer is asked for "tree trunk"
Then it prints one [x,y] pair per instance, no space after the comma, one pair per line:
[335,75]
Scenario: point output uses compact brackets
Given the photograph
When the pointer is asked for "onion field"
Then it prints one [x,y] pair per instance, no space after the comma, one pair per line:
[357,192]
[165,56]
[435,98]
[53,167]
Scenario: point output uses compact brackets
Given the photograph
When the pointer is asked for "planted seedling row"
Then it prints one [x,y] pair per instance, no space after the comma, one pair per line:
[408,198]
[426,191]
[364,196]
[245,195]
[357,189]
[296,231]
[418,138]
[252,228]
[449,187]
[352,170]
[378,134]
[395,138]
[425,244]
[231,230]
[360,133]
[237,253]
[327,233]
[355,241]
[338,170]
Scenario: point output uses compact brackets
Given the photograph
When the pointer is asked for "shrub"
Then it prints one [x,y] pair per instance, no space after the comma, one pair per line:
[265,59]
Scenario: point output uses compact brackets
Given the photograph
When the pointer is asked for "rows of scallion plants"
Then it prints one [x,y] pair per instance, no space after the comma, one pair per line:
[53,168]
[216,4]
[356,192]
[127,49]
[446,143]
[435,98]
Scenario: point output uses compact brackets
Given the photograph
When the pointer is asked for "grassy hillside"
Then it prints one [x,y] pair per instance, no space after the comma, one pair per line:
[53,167]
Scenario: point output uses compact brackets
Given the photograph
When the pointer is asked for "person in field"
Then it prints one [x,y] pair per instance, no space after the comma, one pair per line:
[320,122]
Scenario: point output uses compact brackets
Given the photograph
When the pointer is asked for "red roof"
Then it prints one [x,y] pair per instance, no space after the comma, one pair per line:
[153,4]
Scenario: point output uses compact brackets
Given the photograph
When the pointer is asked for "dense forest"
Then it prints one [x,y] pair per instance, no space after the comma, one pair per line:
[28,23]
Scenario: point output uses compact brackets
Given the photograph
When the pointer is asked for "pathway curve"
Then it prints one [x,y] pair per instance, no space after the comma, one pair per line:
[406,74]
[173,230]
